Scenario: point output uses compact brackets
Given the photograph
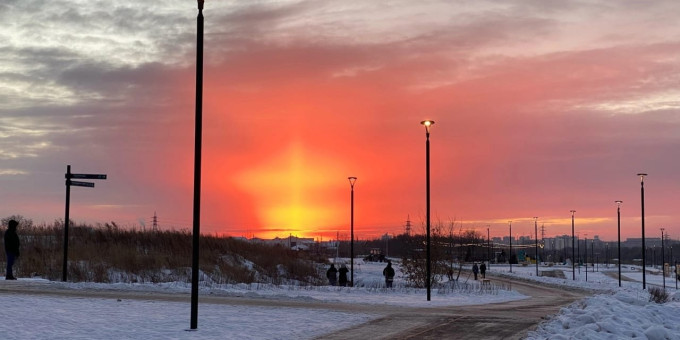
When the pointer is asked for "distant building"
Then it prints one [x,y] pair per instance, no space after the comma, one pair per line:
[637,242]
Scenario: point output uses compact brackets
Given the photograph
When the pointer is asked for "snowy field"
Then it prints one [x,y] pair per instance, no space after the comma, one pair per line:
[612,313]
[47,317]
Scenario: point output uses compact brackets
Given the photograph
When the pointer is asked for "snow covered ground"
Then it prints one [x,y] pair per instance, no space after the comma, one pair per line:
[612,313]
[53,317]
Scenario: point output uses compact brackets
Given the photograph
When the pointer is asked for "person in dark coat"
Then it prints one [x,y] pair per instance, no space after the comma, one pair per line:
[331,274]
[482,270]
[475,270]
[11,247]
[342,280]
[388,273]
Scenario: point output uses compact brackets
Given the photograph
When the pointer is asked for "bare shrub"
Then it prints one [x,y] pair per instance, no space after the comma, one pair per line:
[658,295]
[108,253]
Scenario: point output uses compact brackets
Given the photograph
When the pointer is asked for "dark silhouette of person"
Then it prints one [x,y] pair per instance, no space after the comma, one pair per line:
[11,247]
[342,280]
[331,275]
[482,270]
[475,270]
[388,273]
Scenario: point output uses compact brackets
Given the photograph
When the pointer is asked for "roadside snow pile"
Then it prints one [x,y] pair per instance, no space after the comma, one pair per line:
[625,314]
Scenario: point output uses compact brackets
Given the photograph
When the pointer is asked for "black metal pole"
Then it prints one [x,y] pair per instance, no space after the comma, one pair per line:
[585,245]
[578,250]
[510,256]
[351,246]
[536,233]
[427,170]
[488,246]
[197,168]
[64,266]
[642,203]
[663,260]
[618,228]
[573,247]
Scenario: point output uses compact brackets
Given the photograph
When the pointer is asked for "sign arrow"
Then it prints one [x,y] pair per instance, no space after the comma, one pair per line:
[88,176]
[81,184]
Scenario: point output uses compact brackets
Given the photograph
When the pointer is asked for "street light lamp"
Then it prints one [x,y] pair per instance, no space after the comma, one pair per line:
[618,228]
[573,247]
[488,245]
[510,256]
[663,267]
[642,203]
[585,245]
[427,124]
[198,137]
[536,233]
[352,180]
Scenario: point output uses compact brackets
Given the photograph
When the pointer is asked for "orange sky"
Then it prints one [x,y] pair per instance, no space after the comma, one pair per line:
[540,108]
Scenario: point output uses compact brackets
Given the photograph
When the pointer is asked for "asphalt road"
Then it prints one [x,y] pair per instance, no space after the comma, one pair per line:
[508,320]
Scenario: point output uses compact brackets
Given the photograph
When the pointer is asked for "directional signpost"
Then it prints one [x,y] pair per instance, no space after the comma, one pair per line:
[70,183]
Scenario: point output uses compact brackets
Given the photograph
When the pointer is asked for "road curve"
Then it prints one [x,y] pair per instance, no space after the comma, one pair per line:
[508,320]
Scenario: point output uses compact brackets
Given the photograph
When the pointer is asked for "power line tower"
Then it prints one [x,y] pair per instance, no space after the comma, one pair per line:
[543,232]
[154,227]
[408,225]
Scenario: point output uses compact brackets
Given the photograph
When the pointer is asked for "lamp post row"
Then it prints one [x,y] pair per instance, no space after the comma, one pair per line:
[426,123]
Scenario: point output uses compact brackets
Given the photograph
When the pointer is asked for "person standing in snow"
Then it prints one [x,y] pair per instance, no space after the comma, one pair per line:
[11,247]
[342,280]
[482,270]
[331,275]
[475,270]
[388,273]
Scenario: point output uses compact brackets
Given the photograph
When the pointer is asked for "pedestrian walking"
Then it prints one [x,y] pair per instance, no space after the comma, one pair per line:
[343,275]
[388,273]
[482,270]
[331,274]
[475,270]
[11,247]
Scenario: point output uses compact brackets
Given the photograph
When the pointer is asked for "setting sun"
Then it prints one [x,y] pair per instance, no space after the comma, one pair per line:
[293,191]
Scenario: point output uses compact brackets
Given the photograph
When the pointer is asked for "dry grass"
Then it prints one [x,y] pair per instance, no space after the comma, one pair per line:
[107,253]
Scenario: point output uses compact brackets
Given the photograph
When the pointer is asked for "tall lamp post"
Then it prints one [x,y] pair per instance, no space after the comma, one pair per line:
[536,233]
[488,245]
[197,167]
[585,245]
[352,180]
[427,124]
[618,228]
[663,267]
[510,255]
[642,203]
[573,247]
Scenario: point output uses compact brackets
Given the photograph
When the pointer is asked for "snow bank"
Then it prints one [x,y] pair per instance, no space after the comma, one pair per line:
[623,314]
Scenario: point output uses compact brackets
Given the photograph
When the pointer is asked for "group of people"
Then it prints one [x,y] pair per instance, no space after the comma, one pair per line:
[332,275]
[481,270]
[332,272]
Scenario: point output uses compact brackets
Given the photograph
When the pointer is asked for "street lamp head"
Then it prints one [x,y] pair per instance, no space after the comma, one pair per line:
[352,180]
[427,123]
[200,4]
[618,203]
[642,176]
[572,212]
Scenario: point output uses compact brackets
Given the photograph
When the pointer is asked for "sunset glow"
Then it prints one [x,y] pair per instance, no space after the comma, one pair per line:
[540,108]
